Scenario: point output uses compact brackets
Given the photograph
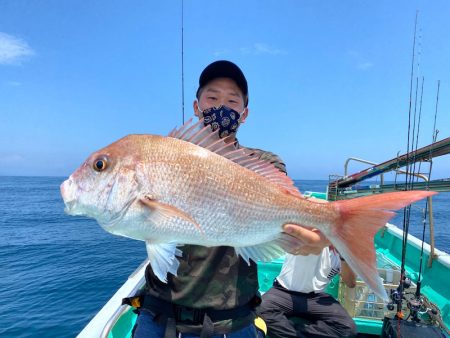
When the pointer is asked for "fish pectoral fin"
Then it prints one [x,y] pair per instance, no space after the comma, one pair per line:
[162,257]
[166,212]
[264,252]
[289,243]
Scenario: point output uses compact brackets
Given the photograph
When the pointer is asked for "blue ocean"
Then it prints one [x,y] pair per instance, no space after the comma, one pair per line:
[57,271]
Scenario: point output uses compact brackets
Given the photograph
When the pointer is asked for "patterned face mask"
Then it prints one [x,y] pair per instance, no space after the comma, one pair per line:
[223,118]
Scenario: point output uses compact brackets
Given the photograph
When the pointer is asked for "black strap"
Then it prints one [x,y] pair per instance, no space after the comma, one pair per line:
[172,314]
[197,316]
[279,286]
[156,305]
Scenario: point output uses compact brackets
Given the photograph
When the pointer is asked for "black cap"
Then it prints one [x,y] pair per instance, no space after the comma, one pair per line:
[223,68]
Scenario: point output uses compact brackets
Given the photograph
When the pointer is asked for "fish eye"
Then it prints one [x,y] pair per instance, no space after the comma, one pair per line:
[100,164]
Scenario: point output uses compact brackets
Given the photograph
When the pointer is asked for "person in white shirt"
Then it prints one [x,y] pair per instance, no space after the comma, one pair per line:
[298,291]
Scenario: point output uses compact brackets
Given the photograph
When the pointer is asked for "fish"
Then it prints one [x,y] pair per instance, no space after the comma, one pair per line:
[192,187]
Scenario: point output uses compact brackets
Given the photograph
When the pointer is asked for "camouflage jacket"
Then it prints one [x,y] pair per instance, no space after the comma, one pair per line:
[211,277]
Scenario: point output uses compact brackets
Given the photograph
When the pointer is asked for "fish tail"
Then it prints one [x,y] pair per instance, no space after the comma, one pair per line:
[359,221]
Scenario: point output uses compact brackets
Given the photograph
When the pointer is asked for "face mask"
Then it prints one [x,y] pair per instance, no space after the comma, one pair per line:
[223,118]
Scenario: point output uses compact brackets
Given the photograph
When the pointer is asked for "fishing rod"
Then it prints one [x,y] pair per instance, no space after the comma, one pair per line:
[182,59]
[418,304]
[433,139]
[414,304]
[415,147]
[418,133]
[431,308]
[435,132]
[415,173]
[398,297]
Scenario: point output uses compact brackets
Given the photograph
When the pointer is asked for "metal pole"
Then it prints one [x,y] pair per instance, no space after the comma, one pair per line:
[430,216]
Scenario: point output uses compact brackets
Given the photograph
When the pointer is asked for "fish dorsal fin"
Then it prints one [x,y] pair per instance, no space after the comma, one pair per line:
[203,136]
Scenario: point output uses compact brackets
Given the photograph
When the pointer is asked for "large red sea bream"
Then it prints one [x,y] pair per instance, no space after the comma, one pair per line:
[194,188]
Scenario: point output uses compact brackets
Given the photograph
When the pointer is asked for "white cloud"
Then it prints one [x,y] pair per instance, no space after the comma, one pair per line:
[364,65]
[13,50]
[257,48]
[262,48]
[220,52]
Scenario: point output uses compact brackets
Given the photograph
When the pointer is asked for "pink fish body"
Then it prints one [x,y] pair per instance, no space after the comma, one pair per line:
[193,188]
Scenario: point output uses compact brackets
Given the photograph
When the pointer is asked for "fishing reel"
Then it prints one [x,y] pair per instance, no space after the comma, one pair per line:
[415,306]
[397,294]
[414,303]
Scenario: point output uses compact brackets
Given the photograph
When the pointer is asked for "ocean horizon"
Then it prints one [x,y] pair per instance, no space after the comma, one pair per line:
[59,270]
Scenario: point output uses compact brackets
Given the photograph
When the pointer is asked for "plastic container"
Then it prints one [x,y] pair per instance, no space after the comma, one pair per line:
[361,301]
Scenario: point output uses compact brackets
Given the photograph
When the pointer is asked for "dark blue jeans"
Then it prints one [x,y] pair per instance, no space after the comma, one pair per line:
[146,327]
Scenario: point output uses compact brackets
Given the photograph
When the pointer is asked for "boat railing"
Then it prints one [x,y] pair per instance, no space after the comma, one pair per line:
[423,154]
[361,161]
[398,171]
[430,216]
[121,310]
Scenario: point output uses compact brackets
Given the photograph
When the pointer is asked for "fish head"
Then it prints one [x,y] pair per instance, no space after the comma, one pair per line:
[104,186]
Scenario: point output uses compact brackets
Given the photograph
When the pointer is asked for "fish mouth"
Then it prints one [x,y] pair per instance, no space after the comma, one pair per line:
[67,189]
[108,217]
[70,208]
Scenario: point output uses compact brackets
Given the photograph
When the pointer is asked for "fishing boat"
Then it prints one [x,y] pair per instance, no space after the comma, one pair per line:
[414,281]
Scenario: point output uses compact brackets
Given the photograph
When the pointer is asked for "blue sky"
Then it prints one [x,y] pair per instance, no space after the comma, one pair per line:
[327,80]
